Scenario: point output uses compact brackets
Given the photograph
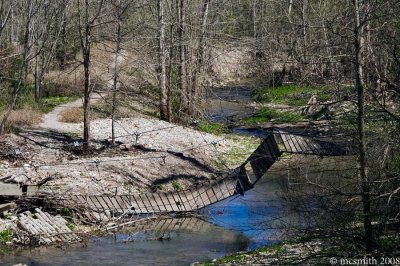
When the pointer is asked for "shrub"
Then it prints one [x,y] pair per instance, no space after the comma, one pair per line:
[26,116]
[266,114]
[63,85]
[72,115]
[6,235]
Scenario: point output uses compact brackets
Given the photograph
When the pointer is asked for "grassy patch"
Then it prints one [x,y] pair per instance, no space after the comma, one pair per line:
[237,154]
[71,226]
[267,114]
[49,103]
[211,127]
[6,235]
[66,212]
[275,249]
[292,95]
[176,185]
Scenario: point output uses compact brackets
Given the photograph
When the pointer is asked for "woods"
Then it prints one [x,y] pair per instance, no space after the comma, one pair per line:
[163,58]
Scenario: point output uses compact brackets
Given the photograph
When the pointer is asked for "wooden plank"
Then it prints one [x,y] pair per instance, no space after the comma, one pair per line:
[153,204]
[290,143]
[141,203]
[175,206]
[211,195]
[156,203]
[311,145]
[10,189]
[293,138]
[198,199]
[5,207]
[161,203]
[285,142]
[302,145]
[190,199]
[273,147]
[182,200]
[31,190]
[185,199]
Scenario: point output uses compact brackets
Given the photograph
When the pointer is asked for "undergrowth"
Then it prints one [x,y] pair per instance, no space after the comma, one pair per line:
[266,114]
[212,127]
[292,95]
[6,235]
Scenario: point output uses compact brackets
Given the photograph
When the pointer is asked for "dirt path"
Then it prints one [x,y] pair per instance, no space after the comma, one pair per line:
[52,119]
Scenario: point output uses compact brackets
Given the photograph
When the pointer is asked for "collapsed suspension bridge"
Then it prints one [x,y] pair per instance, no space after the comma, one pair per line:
[236,181]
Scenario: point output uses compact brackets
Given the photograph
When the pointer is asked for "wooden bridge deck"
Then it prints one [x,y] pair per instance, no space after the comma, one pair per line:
[236,182]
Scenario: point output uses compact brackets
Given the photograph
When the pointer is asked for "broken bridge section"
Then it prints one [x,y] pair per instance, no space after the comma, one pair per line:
[43,228]
[237,181]
[314,144]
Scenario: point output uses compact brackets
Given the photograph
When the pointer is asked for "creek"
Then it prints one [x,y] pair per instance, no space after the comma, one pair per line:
[235,224]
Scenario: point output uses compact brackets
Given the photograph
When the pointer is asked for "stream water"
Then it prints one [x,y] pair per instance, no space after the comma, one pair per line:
[228,104]
[235,224]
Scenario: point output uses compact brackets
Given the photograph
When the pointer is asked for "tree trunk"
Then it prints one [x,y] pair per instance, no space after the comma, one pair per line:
[254,19]
[86,45]
[197,76]
[38,80]
[183,88]
[62,53]
[364,179]
[164,112]
[23,68]
[116,72]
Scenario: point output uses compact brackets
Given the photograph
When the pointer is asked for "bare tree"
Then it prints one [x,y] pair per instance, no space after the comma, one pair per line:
[4,17]
[86,24]
[200,56]
[26,58]
[183,87]
[119,10]
[359,14]
[164,110]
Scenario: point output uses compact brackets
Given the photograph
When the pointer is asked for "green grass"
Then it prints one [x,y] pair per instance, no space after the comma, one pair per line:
[176,185]
[266,114]
[240,257]
[67,212]
[49,103]
[160,187]
[71,226]
[211,127]
[292,95]
[244,147]
[6,235]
